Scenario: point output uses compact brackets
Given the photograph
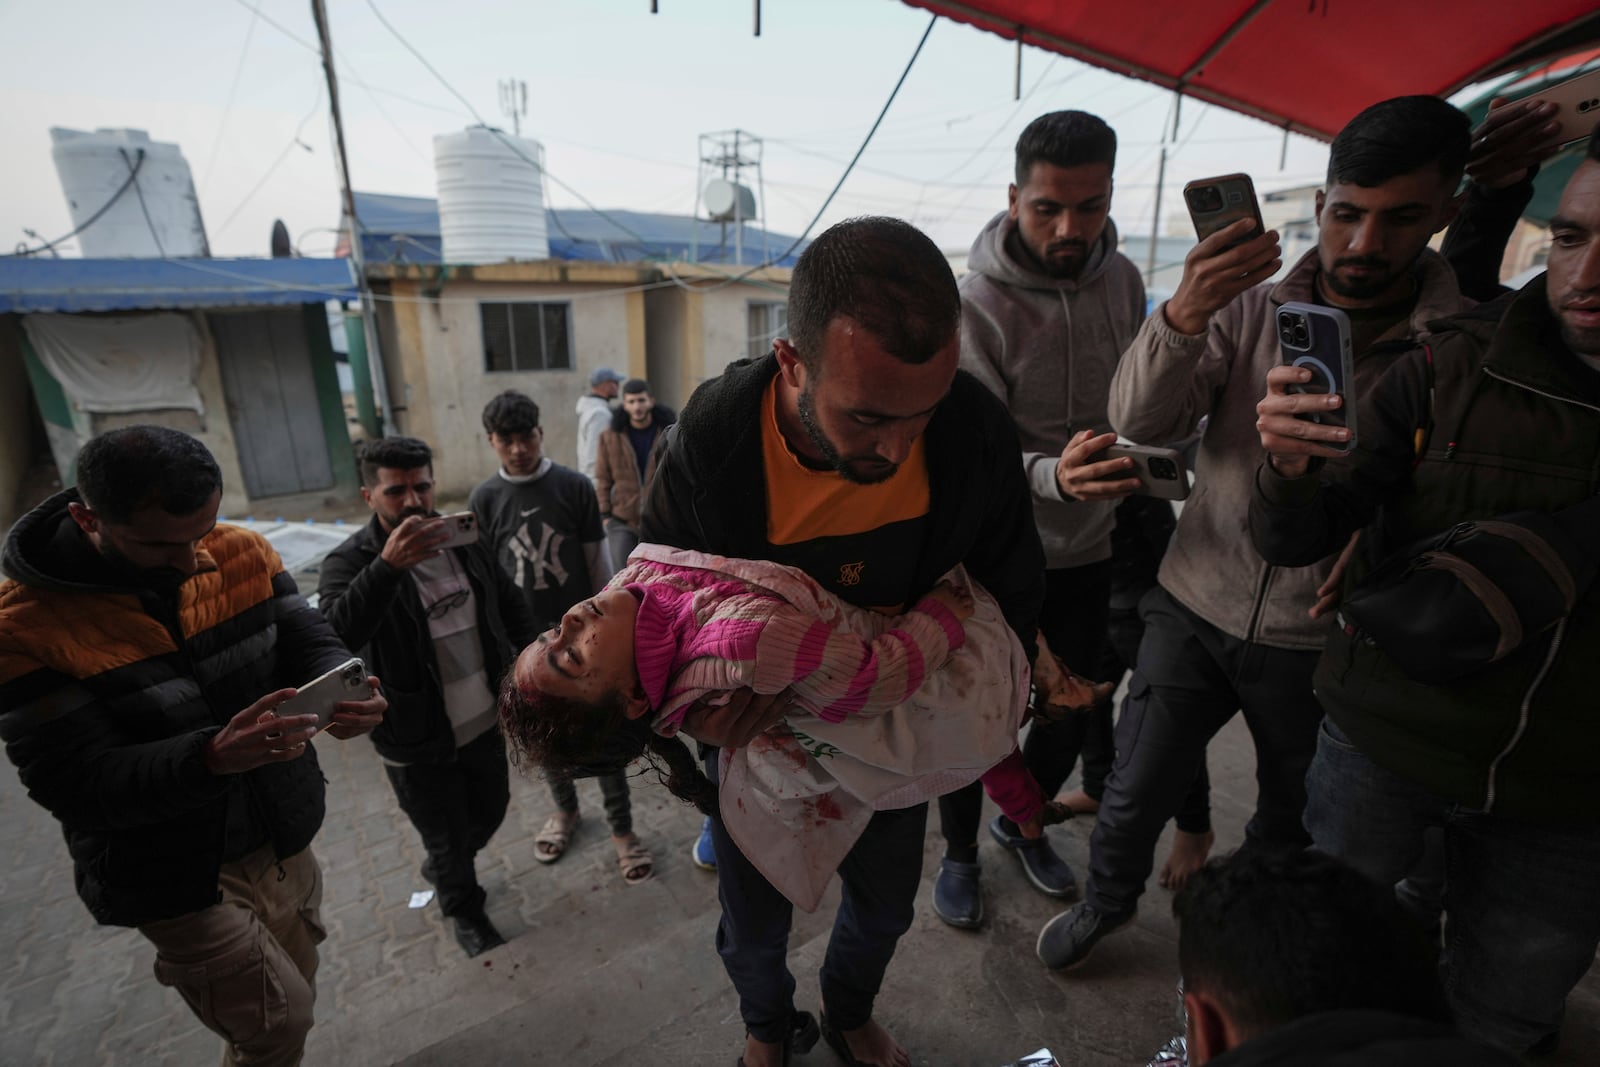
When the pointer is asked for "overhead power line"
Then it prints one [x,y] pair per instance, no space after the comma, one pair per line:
[133,176]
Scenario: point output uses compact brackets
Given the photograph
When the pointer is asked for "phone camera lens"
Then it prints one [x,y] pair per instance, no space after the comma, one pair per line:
[1163,468]
[1301,334]
[1204,199]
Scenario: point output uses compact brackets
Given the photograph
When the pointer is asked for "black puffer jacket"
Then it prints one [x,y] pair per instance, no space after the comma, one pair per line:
[375,608]
[109,693]
[709,491]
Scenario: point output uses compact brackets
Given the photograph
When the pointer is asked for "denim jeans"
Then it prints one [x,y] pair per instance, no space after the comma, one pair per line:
[1521,924]
[879,879]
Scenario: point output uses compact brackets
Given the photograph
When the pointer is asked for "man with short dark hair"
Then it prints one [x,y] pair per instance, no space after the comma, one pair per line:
[1047,308]
[442,624]
[1498,416]
[132,629]
[858,453]
[1298,959]
[594,415]
[627,463]
[542,521]
[1225,631]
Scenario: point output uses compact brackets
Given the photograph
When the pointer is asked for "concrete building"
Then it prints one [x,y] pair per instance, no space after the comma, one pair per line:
[236,352]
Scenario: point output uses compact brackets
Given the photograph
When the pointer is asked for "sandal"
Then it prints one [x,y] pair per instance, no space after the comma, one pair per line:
[551,842]
[634,860]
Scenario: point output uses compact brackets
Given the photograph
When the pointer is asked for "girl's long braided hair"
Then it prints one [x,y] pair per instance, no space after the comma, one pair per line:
[570,738]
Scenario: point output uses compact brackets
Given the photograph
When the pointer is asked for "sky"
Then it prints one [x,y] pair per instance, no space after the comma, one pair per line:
[617,96]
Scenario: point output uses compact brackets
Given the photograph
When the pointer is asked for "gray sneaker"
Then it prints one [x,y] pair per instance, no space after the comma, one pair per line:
[1067,940]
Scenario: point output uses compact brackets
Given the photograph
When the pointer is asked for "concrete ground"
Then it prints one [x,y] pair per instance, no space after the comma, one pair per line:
[595,972]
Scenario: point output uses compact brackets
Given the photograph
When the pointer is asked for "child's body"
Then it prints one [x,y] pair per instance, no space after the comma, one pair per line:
[888,711]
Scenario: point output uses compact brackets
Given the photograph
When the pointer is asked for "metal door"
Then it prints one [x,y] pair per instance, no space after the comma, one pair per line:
[272,401]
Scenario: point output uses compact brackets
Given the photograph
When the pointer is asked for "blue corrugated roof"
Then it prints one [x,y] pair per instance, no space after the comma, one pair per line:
[143,284]
[405,229]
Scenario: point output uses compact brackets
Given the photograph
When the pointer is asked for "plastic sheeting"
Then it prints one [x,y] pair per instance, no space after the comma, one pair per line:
[120,363]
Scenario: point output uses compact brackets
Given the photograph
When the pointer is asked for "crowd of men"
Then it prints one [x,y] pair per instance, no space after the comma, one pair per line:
[908,423]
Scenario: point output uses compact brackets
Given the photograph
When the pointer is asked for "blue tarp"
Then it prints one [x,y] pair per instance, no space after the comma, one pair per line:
[32,284]
[405,229]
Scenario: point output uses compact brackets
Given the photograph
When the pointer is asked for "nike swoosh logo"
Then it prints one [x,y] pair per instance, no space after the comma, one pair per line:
[530,511]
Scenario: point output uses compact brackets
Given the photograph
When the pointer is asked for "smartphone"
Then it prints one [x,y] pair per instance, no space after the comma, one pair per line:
[1319,338]
[1577,102]
[463,528]
[1216,203]
[347,681]
[1160,470]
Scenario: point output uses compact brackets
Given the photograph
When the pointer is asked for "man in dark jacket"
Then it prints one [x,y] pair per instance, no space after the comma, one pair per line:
[1500,414]
[626,463]
[132,630]
[858,453]
[1299,959]
[443,624]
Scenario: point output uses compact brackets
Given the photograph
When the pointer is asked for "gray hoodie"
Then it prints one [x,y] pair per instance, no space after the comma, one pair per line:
[594,415]
[1048,347]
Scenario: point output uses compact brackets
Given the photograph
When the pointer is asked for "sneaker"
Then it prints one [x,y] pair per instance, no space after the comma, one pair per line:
[1066,941]
[957,895]
[1044,870]
[703,854]
[476,934]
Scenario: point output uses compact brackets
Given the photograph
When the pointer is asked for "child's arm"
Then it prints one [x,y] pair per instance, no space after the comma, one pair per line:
[838,673]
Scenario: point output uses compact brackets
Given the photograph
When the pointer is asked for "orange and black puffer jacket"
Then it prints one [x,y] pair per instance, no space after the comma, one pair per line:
[110,691]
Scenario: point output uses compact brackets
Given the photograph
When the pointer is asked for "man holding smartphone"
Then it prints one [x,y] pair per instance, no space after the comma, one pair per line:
[1225,631]
[132,631]
[442,623]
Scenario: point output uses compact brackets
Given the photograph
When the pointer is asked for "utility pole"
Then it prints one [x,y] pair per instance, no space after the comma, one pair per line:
[358,258]
[1161,179]
[514,102]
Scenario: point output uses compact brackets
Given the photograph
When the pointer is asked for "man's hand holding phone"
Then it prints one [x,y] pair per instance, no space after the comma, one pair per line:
[1214,274]
[256,736]
[1289,439]
[1080,476]
[353,718]
[1512,138]
[417,538]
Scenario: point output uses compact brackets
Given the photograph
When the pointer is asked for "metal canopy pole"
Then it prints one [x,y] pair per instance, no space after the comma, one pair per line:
[1161,178]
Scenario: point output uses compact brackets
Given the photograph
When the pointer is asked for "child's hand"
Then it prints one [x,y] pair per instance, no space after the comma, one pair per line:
[957,601]
[1059,691]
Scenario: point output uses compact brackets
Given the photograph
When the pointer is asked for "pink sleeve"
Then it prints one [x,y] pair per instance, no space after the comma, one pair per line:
[837,673]
[1013,789]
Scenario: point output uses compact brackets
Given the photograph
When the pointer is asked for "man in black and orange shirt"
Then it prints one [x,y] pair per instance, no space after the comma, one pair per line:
[857,452]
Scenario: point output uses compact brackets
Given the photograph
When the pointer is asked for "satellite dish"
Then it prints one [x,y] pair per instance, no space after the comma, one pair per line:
[726,201]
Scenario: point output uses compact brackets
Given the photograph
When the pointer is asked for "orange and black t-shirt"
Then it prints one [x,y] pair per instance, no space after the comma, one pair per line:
[860,542]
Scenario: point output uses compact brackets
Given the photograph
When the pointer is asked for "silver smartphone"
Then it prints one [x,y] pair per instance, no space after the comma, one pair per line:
[1319,338]
[462,527]
[1160,471]
[347,681]
[1577,103]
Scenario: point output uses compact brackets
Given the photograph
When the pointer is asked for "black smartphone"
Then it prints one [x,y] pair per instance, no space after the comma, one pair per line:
[1216,203]
[1319,338]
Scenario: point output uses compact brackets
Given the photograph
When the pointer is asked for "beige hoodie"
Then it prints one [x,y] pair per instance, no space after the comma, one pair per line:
[1168,380]
[1047,347]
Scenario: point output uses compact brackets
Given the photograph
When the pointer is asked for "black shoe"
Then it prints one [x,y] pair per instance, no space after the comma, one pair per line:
[1067,940]
[957,895]
[1045,871]
[476,934]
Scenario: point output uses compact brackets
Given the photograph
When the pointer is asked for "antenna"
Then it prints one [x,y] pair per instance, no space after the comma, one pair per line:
[724,156]
[514,102]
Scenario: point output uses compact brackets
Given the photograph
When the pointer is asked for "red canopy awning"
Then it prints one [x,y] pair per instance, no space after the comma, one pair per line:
[1308,65]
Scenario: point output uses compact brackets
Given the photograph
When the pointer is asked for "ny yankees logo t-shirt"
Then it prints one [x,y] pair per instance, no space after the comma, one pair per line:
[861,542]
[537,529]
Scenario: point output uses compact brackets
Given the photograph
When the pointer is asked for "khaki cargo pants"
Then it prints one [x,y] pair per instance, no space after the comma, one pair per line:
[247,966]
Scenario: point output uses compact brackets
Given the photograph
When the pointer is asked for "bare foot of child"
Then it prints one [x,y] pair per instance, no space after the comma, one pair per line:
[1189,852]
[761,1054]
[1079,802]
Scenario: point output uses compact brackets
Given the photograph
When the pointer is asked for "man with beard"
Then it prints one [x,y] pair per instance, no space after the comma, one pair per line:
[442,624]
[1047,309]
[1499,416]
[132,631]
[857,452]
[1224,630]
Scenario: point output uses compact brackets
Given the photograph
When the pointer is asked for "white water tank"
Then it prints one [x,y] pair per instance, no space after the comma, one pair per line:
[152,213]
[491,196]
